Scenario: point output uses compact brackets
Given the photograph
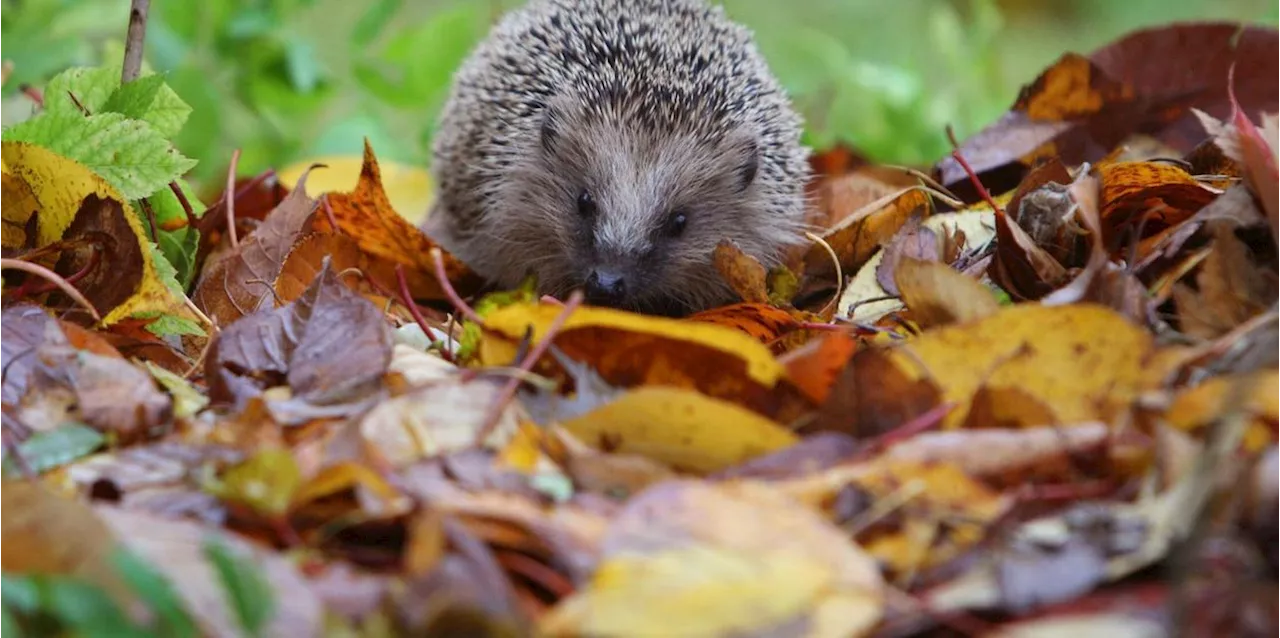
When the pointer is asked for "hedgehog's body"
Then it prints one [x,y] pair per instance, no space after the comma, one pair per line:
[610,145]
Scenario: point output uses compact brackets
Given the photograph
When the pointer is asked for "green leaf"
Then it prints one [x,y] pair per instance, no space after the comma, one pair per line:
[19,593]
[130,154]
[84,607]
[179,248]
[53,448]
[149,99]
[173,326]
[157,592]
[167,273]
[91,86]
[251,597]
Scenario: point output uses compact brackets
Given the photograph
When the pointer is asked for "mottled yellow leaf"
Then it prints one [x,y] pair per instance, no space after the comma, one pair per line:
[1197,407]
[682,428]
[1084,362]
[59,186]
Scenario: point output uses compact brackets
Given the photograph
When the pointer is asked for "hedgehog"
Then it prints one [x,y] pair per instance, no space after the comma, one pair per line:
[610,146]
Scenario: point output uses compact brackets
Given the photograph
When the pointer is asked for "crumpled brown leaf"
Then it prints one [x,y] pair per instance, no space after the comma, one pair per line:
[331,347]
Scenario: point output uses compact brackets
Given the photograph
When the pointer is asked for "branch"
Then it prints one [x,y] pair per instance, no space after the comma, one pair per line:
[133,43]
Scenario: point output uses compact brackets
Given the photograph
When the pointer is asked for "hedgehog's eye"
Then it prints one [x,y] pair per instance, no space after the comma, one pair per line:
[586,204]
[676,222]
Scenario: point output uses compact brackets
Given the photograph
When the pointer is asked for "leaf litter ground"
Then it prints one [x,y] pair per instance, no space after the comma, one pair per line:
[1031,387]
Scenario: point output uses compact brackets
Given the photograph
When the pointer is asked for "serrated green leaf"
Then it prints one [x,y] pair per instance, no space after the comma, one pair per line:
[149,99]
[157,592]
[130,154]
[91,86]
[166,272]
[172,326]
[53,448]
[187,401]
[251,597]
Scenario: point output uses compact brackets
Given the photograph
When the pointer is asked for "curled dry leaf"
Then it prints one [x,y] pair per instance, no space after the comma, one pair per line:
[366,215]
[859,235]
[744,273]
[938,295]
[769,325]
[331,347]
[63,201]
[240,282]
[864,300]
[1080,108]
[59,383]
[629,350]
[873,395]
[722,559]
[1230,286]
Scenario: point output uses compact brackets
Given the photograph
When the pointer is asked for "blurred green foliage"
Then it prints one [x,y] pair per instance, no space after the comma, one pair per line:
[285,80]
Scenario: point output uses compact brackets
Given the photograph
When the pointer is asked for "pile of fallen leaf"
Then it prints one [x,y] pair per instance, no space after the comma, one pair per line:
[1031,389]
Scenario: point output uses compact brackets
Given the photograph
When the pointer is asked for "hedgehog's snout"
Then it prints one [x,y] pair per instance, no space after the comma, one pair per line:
[606,287]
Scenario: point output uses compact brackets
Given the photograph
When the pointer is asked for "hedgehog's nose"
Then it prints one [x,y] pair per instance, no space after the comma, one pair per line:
[605,288]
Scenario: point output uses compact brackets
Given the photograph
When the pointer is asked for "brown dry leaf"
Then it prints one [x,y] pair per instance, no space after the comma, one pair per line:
[859,235]
[768,324]
[240,282]
[1151,195]
[367,216]
[745,274]
[1230,286]
[1145,81]
[331,347]
[813,367]
[1023,269]
[684,429]
[1084,362]
[873,395]
[176,549]
[104,392]
[913,241]
[722,559]
[306,259]
[25,329]
[938,295]
[628,350]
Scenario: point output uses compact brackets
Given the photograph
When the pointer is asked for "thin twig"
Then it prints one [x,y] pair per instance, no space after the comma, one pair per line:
[328,213]
[437,258]
[186,204]
[150,214]
[407,299]
[41,271]
[835,299]
[231,200]
[494,414]
[134,42]
[973,177]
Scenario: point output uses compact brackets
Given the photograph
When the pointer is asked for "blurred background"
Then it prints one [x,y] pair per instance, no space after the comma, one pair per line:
[288,80]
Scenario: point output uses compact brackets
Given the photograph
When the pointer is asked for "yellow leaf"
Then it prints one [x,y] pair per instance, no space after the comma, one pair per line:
[1084,362]
[344,476]
[266,482]
[58,187]
[1197,407]
[681,428]
[513,320]
[408,187]
[699,591]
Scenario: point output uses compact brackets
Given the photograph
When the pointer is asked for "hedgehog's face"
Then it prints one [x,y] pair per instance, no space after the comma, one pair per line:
[633,217]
